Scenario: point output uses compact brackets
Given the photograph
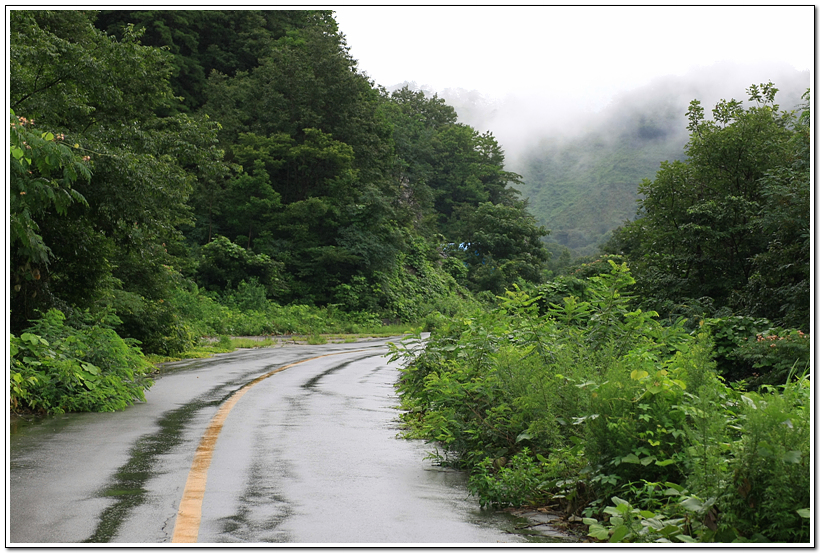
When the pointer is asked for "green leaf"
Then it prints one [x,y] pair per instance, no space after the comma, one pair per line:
[685,538]
[663,464]
[523,436]
[631,458]
[792,457]
[91,368]
[638,375]
[656,524]
[33,339]
[598,532]
[692,504]
[619,534]
[805,513]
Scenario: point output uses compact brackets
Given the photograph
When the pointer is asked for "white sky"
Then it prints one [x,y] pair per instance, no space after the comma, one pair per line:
[581,53]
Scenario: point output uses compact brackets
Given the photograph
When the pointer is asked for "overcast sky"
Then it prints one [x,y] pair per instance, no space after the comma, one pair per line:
[585,54]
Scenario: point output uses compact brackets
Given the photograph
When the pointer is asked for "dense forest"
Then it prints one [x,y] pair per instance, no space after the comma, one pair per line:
[169,164]
[179,177]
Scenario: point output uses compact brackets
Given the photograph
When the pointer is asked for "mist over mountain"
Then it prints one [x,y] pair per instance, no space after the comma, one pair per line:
[582,163]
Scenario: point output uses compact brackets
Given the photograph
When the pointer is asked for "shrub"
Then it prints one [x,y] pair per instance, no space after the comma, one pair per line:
[56,368]
[499,483]
[248,296]
[753,351]
[156,324]
[225,264]
[775,355]
[770,471]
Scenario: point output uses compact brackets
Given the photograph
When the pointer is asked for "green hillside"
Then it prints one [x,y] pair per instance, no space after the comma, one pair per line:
[583,182]
[583,188]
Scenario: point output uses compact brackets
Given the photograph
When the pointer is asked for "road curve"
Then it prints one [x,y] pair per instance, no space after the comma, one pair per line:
[302,449]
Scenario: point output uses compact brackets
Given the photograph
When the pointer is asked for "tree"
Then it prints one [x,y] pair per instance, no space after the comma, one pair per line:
[225,264]
[705,223]
[317,138]
[779,285]
[102,95]
[416,122]
[42,171]
[501,246]
[202,41]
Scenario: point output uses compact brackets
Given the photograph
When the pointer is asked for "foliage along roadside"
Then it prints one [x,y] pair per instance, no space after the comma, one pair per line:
[590,401]
[83,364]
[56,368]
[228,344]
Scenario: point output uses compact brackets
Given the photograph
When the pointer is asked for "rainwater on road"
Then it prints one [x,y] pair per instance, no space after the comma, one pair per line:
[309,455]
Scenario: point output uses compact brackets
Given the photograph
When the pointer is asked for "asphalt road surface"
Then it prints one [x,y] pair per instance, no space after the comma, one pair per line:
[293,444]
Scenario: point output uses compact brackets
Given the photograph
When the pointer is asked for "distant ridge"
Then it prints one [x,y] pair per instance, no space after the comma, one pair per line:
[582,169]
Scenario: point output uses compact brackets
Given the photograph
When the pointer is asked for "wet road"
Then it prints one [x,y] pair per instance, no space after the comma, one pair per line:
[308,454]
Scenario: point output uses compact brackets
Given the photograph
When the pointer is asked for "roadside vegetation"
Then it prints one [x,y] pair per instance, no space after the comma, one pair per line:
[592,405]
[666,404]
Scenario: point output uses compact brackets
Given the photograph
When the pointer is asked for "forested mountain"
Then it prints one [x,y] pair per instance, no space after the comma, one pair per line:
[583,183]
[581,168]
[234,149]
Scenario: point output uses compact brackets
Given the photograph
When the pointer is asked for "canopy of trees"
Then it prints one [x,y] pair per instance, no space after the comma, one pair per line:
[225,146]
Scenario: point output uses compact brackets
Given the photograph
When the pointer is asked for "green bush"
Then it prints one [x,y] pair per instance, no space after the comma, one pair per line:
[657,431]
[629,524]
[56,368]
[248,296]
[156,324]
[245,312]
[769,477]
[753,351]
[527,478]
[775,354]
[499,483]
[225,264]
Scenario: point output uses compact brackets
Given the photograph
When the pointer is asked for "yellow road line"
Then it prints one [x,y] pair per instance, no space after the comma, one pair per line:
[189,514]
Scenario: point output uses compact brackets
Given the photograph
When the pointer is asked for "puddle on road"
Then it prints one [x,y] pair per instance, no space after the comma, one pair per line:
[128,485]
